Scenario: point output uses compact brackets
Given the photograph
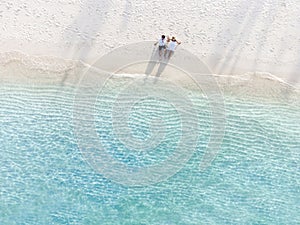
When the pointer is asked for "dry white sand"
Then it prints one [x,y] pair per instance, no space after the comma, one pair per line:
[231,36]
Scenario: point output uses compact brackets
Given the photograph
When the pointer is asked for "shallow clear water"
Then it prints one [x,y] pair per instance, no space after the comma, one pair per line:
[44,179]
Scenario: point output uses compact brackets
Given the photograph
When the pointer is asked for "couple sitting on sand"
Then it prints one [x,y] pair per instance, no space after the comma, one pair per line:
[168,46]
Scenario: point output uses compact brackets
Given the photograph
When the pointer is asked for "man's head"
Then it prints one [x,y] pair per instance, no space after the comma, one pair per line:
[163,36]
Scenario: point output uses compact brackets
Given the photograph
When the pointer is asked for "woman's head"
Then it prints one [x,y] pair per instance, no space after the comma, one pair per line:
[173,39]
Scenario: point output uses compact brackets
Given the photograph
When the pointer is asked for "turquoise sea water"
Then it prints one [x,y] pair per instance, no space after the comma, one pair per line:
[44,178]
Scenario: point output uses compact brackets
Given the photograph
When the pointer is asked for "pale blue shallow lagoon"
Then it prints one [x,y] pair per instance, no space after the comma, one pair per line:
[44,178]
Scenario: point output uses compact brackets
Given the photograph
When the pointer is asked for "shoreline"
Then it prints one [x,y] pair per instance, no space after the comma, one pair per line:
[19,68]
[287,72]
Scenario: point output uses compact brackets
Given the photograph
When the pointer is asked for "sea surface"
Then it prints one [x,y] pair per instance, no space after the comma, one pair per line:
[46,179]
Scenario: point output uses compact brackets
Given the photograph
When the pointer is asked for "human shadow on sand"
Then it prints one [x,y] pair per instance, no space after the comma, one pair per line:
[156,61]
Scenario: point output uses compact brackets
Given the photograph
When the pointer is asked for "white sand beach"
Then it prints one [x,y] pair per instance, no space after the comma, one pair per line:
[233,37]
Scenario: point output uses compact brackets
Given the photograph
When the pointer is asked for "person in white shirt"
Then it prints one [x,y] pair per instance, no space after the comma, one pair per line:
[161,44]
[171,47]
